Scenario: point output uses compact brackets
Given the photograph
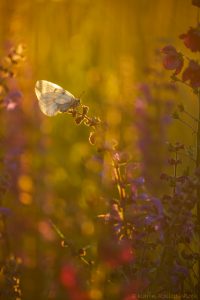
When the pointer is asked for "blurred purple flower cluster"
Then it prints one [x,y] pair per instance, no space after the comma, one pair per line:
[9,99]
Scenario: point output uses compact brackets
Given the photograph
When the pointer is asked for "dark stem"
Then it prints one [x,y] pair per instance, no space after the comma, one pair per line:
[198,189]
[198,135]
[6,249]
[191,116]
[175,171]
[186,124]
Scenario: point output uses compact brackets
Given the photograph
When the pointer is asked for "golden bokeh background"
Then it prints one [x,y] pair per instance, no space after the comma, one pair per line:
[98,49]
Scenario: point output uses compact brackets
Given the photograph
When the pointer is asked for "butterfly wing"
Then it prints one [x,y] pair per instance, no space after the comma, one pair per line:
[44,86]
[53,98]
[48,105]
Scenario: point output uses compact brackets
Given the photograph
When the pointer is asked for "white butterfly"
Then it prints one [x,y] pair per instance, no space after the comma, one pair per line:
[53,99]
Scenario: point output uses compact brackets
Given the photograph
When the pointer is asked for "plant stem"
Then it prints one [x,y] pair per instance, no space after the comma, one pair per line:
[188,125]
[121,192]
[118,178]
[175,171]
[191,116]
[198,189]
[6,249]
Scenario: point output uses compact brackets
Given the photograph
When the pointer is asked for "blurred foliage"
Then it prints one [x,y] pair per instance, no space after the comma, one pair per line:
[58,182]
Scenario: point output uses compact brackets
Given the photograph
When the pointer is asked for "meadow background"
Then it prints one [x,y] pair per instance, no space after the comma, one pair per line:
[54,183]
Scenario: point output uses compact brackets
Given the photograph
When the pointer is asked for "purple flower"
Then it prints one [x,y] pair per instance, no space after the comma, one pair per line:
[144,88]
[157,203]
[139,181]
[5,211]
[11,101]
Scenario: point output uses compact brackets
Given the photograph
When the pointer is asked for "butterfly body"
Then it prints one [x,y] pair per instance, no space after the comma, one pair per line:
[53,99]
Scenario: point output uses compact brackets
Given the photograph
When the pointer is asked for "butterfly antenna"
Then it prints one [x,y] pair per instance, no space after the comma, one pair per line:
[81,94]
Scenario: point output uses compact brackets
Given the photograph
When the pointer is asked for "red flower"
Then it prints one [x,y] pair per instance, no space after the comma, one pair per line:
[69,279]
[115,253]
[131,297]
[172,60]
[135,287]
[68,276]
[192,74]
[196,3]
[191,39]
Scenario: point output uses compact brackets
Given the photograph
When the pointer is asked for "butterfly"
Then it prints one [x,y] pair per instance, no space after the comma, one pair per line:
[53,99]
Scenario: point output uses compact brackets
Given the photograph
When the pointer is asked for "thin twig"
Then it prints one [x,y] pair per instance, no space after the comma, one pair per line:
[188,125]
[191,116]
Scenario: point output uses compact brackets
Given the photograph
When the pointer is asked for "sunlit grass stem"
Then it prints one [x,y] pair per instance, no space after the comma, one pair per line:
[121,192]
[119,183]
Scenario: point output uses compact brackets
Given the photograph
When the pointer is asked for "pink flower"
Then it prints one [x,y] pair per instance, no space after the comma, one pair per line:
[172,59]
[11,101]
[191,39]
[192,74]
